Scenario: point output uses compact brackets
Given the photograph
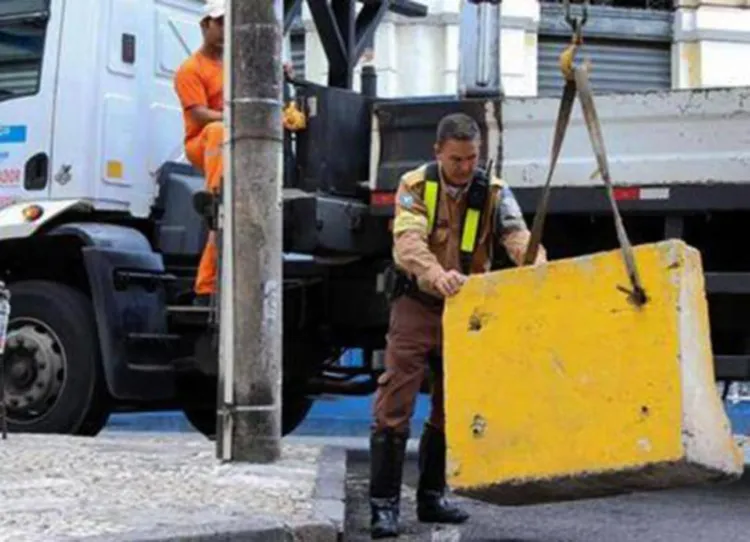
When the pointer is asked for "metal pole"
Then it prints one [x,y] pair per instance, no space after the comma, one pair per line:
[479,48]
[251,271]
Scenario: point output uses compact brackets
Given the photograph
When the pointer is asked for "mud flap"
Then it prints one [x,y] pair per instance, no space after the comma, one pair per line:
[127,290]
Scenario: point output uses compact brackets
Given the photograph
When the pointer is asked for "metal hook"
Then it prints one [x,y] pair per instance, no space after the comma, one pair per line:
[576,24]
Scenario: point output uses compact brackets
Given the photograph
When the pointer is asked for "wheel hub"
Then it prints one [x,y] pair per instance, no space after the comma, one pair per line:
[34,370]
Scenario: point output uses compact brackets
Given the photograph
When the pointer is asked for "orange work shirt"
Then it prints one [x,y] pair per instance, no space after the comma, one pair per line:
[199,81]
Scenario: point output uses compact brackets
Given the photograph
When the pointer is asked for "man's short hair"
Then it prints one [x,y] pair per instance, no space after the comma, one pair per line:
[457,126]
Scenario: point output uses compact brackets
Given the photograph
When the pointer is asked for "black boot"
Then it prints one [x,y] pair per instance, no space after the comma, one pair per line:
[387,450]
[432,506]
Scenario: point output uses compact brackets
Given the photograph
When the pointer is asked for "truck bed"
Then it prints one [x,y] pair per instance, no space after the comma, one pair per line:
[680,137]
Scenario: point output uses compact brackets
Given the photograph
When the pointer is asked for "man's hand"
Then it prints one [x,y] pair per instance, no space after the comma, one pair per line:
[448,283]
[203,115]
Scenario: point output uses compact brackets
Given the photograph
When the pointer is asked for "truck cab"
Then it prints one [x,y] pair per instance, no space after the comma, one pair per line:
[90,124]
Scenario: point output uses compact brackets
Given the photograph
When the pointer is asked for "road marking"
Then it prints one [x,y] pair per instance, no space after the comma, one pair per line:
[446,534]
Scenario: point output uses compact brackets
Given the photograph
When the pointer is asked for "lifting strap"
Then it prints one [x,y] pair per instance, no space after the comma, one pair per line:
[476,200]
[576,82]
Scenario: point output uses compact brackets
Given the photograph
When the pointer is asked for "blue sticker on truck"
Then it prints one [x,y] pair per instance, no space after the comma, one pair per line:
[12,134]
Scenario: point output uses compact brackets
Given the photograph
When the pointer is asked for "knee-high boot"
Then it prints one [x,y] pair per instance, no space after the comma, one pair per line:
[432,505]
[387,450]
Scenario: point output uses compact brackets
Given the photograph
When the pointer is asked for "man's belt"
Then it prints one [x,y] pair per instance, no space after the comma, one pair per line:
[398,284]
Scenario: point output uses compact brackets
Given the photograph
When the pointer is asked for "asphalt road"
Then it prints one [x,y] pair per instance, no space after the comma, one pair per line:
[717,514]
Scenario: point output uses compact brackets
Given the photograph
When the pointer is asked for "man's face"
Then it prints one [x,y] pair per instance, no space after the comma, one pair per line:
[213,32]
[458,159]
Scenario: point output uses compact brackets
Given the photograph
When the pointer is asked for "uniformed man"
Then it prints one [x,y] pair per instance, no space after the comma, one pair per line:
[433,252]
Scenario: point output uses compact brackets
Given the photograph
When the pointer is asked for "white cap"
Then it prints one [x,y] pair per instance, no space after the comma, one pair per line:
[214,9]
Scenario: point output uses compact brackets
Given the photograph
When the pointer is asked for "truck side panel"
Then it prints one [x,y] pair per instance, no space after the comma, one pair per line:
[680,137]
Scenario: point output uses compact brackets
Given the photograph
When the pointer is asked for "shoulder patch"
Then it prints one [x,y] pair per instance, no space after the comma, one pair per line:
[406,200]
[414,177]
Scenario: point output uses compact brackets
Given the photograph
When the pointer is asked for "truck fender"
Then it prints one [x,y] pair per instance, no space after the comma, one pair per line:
[24,218]
[126,279]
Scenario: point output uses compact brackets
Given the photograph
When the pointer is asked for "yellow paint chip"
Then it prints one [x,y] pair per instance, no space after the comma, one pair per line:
[114,169]
[558,388]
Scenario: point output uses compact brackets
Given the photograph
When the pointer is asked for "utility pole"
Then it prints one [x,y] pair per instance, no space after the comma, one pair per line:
[249,394]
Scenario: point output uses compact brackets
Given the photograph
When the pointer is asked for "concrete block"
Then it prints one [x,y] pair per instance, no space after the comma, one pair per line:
[558,388]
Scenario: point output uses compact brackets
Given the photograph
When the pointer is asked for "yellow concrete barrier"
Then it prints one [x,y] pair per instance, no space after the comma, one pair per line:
[558,388]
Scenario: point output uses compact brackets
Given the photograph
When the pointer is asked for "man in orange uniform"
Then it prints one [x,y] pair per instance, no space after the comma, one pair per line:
[199,84]
[432,260]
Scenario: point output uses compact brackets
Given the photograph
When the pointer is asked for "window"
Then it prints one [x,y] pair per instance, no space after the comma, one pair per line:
[22,30]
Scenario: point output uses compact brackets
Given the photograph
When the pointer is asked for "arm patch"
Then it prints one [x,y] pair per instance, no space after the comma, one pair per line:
[508,215]
[410,212]
[406,201]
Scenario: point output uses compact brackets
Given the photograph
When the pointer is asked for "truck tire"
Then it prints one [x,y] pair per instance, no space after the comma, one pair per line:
[293,410]
[293,413]
[54,380]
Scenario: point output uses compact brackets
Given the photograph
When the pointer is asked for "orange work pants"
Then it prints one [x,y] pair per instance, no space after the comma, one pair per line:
[205,152]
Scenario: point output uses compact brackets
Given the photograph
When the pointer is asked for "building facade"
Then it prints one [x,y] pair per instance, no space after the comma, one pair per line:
[634,45]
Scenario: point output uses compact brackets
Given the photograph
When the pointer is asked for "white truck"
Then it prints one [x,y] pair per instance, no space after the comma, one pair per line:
[100,240]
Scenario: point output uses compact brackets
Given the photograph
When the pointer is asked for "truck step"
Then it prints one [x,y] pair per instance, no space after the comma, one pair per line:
[188,309]
[153,337]
[189,315]
[727,282]
[123,279]
[732,367]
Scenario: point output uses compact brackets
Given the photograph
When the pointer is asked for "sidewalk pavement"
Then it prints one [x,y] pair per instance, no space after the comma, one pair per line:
[147,487]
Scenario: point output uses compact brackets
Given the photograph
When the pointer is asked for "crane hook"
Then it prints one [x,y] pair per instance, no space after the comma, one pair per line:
[575,23]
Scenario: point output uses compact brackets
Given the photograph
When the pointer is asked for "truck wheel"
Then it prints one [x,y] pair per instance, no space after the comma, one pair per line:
[53,377]
[293,412]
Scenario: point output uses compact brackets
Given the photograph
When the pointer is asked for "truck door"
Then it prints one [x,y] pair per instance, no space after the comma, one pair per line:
[28,50]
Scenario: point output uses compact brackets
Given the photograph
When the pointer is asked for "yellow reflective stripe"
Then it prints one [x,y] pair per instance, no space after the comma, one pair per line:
[430,200]
[471,225]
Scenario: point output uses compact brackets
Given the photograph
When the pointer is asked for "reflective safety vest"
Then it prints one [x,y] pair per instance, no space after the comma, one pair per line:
[475,204]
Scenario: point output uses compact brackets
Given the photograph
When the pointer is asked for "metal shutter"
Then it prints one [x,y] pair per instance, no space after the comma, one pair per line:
[297,45]
[629,49]
[297,50]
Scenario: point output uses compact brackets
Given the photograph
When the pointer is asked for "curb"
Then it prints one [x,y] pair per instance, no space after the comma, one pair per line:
[329,496]
[250,530]
[326,525]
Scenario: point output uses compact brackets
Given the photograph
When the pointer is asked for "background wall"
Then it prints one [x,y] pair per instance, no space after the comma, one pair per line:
[633,44]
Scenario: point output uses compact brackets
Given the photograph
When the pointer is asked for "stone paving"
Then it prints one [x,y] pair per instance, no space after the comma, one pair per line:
[60,488]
